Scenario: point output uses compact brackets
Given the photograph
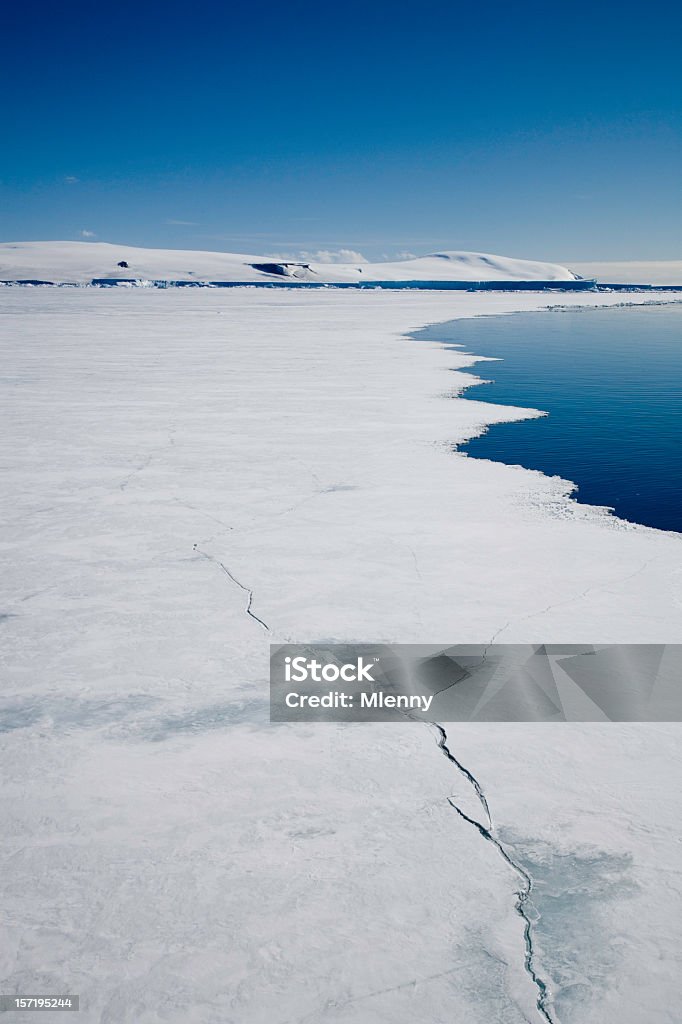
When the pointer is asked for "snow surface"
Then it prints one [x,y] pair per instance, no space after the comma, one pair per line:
[171,856]
[80,262]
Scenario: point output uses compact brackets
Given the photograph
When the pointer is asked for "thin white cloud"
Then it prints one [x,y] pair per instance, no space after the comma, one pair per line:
[338,256]
[322,256]
[406,255]
[71,179]
[182,223]
[88,234]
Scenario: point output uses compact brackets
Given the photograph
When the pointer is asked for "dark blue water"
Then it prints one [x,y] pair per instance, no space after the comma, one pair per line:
[611,382]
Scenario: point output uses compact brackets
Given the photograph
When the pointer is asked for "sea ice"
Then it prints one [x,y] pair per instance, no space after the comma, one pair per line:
[174,461]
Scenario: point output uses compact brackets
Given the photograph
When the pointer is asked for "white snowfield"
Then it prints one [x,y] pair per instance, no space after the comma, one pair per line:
[171,856]
[81,262]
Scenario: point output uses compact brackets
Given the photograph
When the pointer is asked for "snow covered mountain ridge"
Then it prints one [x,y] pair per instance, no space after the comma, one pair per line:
[83,262]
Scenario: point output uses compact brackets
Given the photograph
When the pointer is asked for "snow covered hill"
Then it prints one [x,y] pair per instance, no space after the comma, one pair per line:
[82,262]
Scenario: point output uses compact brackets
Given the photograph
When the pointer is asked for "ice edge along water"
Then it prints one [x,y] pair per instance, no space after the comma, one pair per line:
[544,1002]
[487,831]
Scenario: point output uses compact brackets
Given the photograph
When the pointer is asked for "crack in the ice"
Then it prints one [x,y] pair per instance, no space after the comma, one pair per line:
[544,611]
[478,665]
[201,512]
[524,892]
[490,643]
[247,590]
[148,458]
[335,1005]
[138,469]
[442,743]
[267,519]
[576,597]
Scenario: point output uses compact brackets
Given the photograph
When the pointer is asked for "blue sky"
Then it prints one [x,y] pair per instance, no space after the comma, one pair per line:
[539,129]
